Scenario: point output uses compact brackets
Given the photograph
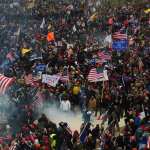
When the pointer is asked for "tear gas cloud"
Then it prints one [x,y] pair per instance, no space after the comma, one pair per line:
[74,119]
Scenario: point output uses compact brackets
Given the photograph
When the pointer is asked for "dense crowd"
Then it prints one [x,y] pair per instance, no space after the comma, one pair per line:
[65,38]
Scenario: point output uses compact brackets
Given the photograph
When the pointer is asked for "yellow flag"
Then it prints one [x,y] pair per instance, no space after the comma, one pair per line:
[25,50]
[21,81]
[93,17]
[147,10]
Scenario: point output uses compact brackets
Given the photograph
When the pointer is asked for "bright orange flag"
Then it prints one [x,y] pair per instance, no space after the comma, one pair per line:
[50,36]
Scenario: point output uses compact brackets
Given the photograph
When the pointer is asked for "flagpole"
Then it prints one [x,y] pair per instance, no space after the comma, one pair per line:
[102,92]
[143,108]
[18,33]
[83,129]
[68,74]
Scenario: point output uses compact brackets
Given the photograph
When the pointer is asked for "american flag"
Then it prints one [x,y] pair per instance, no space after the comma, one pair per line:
[63,78]
[5,83]
[119,36]
[95,75]
[29,80]
[38,99]
[10,56]
[104,56]
[13,145]
[103,116]
[97,61]
[5,138]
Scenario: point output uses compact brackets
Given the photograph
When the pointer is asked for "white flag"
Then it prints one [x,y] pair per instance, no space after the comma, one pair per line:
[108,39]
[105,76]
[74,28]
[42,24]
[18,32]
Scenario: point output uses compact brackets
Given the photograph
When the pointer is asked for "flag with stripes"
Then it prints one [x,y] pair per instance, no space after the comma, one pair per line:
[29,80]
[10,56]
[119,36]
[63,78]
[38,99]
[103,116]
[5,83]
[95,74]
[13,146]
[103,56]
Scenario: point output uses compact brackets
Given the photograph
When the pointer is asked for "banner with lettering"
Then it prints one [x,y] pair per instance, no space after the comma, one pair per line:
[51,80]
[120,45]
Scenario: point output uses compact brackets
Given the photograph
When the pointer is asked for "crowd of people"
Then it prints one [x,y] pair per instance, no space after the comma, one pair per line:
[66,39]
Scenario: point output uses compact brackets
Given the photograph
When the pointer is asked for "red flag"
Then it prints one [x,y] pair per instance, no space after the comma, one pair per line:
[5,83]
[50,36]
[110,21]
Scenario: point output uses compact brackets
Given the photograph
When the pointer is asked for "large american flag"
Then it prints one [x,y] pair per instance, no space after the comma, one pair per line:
[94,75]
[5,83]
[119,36]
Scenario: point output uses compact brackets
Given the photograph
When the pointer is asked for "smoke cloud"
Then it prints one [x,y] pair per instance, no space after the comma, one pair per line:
[74,119]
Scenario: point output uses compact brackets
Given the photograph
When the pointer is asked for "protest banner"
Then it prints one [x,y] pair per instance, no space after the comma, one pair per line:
[51,80]
[120,45]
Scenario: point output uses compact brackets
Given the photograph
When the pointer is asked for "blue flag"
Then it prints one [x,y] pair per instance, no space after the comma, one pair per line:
[41,67]
[84,133]
[120,45]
